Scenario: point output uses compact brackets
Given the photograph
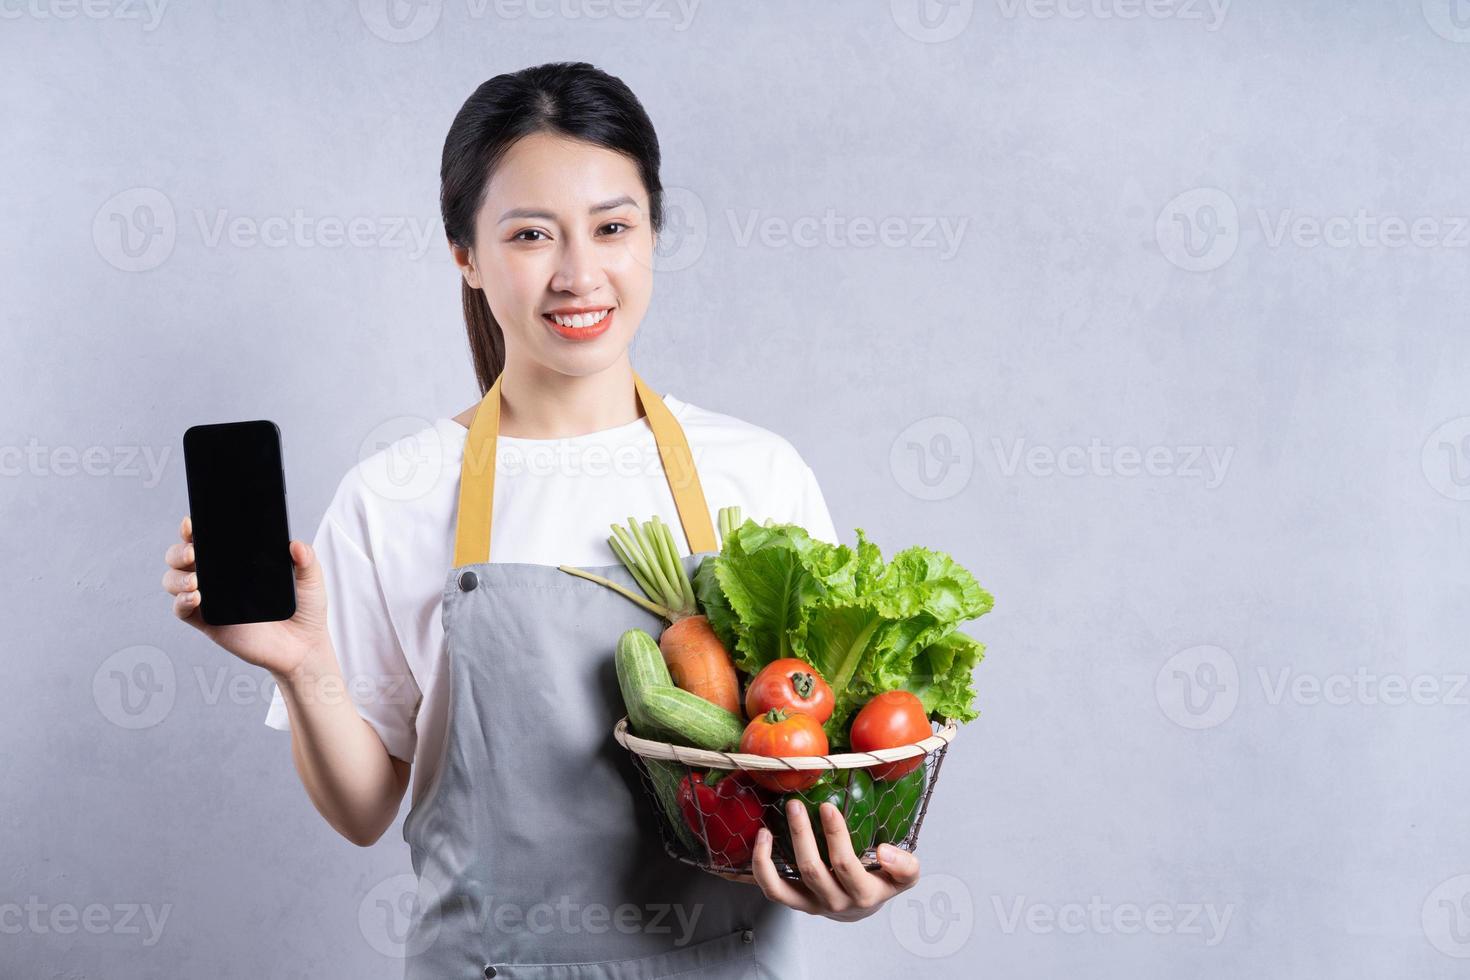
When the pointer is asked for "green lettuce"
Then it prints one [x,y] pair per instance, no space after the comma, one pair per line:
[867,626]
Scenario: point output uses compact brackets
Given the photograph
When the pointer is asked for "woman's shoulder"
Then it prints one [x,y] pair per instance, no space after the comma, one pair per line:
[404,469]
[725,433]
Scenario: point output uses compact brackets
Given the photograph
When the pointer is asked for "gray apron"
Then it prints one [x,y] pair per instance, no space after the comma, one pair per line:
[536,850]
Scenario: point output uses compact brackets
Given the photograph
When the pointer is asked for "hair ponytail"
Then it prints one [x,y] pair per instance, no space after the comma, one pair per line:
[487,340]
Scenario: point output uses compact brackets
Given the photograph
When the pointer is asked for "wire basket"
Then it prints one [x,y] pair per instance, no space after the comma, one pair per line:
[882,794]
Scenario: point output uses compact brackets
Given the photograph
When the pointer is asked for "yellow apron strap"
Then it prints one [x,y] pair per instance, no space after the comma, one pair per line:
[477,476]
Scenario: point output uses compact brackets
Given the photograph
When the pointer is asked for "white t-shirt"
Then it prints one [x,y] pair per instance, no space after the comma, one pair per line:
[386,541]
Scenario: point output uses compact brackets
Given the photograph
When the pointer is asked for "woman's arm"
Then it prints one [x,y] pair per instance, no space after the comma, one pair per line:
[348,773]
[352,780]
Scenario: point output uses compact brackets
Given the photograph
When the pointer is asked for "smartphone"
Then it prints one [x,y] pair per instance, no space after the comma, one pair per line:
[237,504]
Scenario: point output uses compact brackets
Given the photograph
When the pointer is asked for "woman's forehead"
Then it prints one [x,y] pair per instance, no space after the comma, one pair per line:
[564,176]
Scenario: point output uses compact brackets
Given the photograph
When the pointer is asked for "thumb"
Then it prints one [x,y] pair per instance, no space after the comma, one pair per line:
[311,593]
[902,866]
[303,562]
[308,572]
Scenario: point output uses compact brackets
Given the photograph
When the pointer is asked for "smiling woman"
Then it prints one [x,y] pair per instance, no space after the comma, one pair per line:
[491,691]
[552,206]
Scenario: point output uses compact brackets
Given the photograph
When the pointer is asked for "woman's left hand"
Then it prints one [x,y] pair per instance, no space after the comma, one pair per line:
[848,891]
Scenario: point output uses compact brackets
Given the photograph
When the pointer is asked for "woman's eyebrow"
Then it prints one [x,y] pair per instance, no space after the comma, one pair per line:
[616,202]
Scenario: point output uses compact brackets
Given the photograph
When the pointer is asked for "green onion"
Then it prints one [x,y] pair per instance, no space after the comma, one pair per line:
[652,556]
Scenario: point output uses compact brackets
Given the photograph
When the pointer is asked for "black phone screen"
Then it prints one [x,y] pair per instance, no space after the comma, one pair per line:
[237,505]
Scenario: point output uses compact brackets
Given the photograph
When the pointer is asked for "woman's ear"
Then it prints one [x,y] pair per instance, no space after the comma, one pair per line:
[465,259]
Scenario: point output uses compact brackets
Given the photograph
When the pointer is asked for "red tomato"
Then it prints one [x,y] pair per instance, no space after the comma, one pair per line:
[887,721]
[791,684]
[778,734]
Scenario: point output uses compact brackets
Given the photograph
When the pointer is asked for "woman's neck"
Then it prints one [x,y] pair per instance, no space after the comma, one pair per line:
[539,404]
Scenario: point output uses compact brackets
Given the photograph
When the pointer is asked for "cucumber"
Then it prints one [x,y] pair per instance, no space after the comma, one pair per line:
[691,719]
[666,776]
[640,666]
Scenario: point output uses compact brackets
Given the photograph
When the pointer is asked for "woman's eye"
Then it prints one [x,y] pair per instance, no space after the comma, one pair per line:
[615,224]
[529,231]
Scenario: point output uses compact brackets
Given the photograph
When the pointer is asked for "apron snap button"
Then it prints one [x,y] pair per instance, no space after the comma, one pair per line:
[489,970]
[748,936]
[467,583]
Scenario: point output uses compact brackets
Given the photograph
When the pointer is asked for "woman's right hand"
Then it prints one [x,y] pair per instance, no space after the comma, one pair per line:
[279,647]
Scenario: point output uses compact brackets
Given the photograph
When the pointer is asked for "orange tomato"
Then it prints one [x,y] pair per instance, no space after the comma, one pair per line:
[778,733]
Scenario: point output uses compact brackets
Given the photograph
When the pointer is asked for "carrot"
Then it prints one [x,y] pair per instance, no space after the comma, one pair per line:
[698,662]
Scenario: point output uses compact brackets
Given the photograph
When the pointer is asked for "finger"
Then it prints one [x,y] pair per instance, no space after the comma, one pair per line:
[899,866]
[180,554]
[185,603]
[186,528]
[777,889]
[176,581]
[814,873]
[848,870]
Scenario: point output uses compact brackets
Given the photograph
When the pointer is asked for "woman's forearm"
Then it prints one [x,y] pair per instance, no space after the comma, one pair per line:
[349,775]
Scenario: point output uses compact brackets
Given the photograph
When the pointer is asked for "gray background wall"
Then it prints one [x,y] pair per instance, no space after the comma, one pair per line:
[1184,385]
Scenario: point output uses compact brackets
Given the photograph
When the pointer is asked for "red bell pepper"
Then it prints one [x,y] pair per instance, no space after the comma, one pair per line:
[725,814]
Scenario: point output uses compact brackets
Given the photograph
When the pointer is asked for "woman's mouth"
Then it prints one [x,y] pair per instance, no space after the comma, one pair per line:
[581,325]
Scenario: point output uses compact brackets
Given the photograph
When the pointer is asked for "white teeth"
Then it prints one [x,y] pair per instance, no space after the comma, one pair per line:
[580,320]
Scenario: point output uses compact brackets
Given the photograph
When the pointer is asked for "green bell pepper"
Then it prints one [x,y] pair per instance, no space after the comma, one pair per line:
[897,804]
[852,792]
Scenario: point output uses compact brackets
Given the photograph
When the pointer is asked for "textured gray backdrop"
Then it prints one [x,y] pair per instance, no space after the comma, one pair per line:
[1151,312]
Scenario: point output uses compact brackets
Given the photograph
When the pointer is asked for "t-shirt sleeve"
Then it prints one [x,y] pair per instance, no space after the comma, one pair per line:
[812,512]
[374,668]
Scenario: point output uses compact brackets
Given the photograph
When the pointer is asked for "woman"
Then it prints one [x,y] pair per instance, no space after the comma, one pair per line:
[494,686]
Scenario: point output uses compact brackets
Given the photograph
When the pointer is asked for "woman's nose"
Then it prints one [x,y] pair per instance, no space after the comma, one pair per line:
[578,271]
